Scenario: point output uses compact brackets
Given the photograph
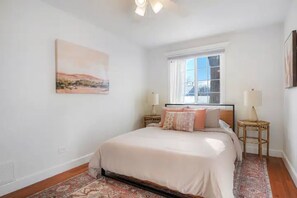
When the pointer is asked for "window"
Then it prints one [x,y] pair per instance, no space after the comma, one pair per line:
[196,79]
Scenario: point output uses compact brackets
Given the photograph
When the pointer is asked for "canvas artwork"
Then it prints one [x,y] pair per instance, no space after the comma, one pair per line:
[80,70]
[291,61]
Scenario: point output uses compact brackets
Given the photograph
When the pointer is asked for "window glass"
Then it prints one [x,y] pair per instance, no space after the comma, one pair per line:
[204,73]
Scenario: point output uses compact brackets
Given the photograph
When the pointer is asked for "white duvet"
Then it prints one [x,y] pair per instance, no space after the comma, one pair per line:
[198,163]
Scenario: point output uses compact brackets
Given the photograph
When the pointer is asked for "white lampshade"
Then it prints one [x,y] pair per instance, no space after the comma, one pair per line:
[154,99]
[253,98]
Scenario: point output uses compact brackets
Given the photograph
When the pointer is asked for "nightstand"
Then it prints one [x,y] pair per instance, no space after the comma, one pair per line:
[148,119]
[258,126]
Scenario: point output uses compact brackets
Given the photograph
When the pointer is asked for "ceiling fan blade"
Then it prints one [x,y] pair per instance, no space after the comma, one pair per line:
[156,5]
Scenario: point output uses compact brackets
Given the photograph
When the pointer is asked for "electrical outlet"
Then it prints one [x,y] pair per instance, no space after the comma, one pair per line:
[6,173]
[62,149]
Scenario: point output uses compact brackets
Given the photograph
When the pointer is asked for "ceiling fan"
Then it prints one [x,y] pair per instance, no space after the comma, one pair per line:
[142,6]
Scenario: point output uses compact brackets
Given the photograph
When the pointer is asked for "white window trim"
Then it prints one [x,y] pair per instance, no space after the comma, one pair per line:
[219,48]
[189,52]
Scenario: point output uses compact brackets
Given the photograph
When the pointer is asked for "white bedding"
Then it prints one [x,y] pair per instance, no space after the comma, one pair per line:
[199,163]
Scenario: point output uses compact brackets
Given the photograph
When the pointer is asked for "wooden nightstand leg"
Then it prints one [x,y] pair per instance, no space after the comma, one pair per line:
[244,141]
[237,131]
[268,141]
[260,142]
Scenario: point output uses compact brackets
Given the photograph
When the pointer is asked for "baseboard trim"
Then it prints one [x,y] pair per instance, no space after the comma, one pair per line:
[42,175]
[272,152]
[290,168]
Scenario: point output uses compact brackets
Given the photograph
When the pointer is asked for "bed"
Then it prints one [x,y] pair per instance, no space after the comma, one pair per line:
[197,163]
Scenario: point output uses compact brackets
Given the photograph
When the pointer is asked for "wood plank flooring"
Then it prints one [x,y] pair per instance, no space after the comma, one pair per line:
[30,190]
[281,183]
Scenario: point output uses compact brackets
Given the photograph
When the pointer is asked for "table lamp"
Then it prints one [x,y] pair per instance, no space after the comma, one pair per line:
[154,102]
[252,99]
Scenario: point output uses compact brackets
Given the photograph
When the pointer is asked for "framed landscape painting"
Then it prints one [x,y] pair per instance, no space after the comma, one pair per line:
[291,60]
[80,70]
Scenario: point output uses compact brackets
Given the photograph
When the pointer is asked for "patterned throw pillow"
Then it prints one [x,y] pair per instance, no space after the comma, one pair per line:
[165,110]
[180,121]
[168,121]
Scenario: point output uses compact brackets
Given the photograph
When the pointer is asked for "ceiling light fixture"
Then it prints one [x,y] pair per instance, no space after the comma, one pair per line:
[140,11]
[156,6]
[142,4]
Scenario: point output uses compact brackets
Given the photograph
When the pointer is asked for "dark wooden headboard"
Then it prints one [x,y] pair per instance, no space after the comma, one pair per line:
[227,113]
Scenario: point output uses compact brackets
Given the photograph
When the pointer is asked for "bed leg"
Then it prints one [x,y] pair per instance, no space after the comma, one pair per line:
[102,172]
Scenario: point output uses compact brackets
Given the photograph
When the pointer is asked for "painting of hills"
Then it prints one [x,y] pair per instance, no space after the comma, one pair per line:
[80,70]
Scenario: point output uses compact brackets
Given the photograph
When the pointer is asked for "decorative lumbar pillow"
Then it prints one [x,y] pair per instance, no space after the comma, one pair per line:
[200,116]
[184,121]
[212,118]
[181,121]
[165,110]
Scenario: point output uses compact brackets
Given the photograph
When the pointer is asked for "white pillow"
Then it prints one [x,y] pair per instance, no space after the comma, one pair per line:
[223,124]
[212,118]
[153,125]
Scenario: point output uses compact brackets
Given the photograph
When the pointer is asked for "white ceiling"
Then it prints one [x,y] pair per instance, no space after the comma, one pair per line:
[191,19]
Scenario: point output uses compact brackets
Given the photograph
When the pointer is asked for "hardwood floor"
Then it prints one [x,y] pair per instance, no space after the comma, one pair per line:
[281,183]
[30,190]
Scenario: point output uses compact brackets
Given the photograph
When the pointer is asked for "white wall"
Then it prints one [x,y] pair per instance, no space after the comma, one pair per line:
[253,60]
[35,121]
[290,106]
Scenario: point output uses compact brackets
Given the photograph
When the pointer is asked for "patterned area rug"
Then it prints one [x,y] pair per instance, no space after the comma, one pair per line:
[250,180]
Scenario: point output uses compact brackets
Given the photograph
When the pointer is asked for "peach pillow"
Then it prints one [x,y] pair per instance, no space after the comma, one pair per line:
[200,118]
[165,110]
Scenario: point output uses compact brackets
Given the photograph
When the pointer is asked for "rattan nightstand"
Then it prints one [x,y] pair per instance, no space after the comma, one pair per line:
[258,126]
[148,119]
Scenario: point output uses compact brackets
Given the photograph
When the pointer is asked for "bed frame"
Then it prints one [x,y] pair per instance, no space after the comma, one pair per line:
[230,116]
[138,184]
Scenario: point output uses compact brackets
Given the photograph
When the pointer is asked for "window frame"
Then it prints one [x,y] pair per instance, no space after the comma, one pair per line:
[196,79]
[211,50]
